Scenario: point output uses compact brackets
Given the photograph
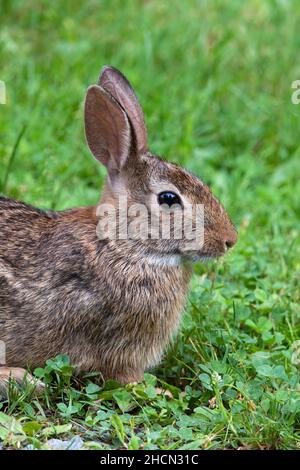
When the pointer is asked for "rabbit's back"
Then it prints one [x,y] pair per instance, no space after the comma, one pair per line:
[21,228]
[44,281]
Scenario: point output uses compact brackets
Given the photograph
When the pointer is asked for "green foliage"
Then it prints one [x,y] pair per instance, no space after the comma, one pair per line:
[215,80]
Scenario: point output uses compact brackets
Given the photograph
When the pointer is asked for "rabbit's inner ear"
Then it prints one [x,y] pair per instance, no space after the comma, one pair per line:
[107,128]
[113,81]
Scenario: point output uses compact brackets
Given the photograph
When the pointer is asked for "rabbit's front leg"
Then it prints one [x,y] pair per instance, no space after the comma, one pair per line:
[20,376]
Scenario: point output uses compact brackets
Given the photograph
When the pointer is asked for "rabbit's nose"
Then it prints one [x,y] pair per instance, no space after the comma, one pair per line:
[231,239]
[229,243]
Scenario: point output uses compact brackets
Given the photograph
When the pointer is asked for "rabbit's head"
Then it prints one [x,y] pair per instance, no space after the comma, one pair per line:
[171,212]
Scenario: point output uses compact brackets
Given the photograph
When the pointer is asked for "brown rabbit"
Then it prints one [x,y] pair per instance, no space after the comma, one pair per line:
[112,305]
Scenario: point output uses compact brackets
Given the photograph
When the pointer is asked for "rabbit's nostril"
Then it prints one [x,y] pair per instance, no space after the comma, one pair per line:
[229,243]
[230,239]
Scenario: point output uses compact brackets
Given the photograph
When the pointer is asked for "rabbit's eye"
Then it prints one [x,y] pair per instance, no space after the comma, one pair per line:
[169,198]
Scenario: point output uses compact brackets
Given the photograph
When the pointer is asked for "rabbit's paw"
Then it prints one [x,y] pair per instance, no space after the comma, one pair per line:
[10,376]
[130,377]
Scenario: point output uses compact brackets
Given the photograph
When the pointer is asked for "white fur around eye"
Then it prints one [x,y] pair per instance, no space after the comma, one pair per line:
[165,186]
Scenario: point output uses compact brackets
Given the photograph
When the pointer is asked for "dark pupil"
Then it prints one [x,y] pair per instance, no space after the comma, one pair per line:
[168,198]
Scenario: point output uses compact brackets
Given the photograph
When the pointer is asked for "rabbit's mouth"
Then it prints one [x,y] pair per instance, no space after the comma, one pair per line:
[203,256]
[207,258]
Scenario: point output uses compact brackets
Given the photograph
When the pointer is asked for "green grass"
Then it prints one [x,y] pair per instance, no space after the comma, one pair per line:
[214,79]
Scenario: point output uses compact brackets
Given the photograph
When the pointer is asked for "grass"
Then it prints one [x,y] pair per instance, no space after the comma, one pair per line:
[215,80]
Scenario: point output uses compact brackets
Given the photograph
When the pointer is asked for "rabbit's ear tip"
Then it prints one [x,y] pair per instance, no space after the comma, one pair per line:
[109,68]
[91,88]
[92,92]
[108,72]
[105,68]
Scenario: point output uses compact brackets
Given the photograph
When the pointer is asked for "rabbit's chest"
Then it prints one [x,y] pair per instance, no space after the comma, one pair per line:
[138,316]
[147,305]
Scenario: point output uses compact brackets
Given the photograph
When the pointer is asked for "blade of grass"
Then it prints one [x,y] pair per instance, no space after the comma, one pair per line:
[12,157]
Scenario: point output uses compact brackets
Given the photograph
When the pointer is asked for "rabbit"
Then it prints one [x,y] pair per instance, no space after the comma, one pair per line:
[111,305]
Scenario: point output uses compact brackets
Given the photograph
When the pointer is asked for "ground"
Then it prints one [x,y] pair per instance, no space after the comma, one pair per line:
[214,79]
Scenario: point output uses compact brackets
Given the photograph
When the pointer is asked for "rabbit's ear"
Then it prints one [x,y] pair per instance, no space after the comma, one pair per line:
[119,87]
[107,128]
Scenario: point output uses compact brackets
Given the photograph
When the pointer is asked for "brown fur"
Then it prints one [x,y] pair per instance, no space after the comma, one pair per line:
[102,302]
